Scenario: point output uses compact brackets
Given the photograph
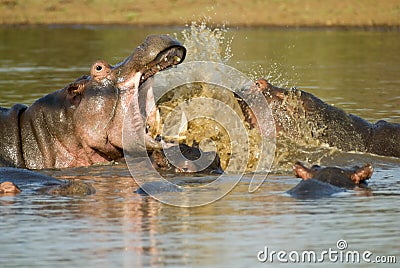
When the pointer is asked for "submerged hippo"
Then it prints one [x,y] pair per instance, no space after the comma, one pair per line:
[186,159]
[182,159]
[325,181]
[300,115]
[82,123]
[16,180]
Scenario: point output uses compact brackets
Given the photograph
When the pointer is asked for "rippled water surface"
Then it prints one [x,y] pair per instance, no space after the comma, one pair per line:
[355,70]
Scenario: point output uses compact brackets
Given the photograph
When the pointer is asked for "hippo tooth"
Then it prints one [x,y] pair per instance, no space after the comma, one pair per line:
[176,58]
[158,67]
[165,59]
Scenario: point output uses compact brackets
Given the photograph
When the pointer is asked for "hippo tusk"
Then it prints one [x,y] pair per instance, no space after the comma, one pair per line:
[177,59]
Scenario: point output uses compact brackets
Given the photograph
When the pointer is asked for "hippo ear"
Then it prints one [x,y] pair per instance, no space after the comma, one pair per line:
[302,172]
[75,91]
[362,174]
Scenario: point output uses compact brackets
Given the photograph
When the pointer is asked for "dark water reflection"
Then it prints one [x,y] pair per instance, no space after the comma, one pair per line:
[357,71]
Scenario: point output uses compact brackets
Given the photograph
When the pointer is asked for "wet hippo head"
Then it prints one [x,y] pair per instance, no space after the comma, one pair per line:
[347,178]
[321,182]
[260,85]
[271,92]
[110,90]
[82,123]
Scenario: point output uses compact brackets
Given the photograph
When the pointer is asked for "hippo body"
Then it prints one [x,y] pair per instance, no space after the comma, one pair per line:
[313,188]
[82,123]
[158,187]
[29,181]
[320,182]
[300,115]
[10,143]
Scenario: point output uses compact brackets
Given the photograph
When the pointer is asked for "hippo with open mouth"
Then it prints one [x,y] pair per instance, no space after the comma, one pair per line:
[320,182]
[82,123]
[300,115]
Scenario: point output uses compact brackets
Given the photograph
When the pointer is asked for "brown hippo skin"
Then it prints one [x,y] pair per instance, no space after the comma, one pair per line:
[82,123]
[320,182]
[299,115]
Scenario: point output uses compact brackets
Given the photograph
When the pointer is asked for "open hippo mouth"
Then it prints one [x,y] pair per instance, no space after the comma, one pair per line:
[135,108]
[165,59]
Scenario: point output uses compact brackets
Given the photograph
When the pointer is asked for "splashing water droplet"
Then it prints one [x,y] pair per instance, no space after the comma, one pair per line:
[205,43]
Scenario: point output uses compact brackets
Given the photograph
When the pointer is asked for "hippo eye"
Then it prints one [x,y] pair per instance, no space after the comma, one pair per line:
[99,68]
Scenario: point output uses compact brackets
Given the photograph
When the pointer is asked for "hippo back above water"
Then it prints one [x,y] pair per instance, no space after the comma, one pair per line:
[17,180]
[301,116]
[82,123]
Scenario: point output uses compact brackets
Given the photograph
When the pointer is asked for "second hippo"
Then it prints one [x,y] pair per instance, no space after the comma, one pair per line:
[300,115]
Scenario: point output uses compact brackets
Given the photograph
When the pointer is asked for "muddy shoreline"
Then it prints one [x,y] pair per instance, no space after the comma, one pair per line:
[310,14]
[377,28]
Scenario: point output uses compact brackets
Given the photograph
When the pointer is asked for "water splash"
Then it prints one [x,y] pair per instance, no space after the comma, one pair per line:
[274,74]
[207,44]
[204,43]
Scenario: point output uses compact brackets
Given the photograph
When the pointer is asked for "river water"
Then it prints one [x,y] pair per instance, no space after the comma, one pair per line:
[354,70]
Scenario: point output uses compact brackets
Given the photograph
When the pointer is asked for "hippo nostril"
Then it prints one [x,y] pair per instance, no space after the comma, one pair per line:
[99,68]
